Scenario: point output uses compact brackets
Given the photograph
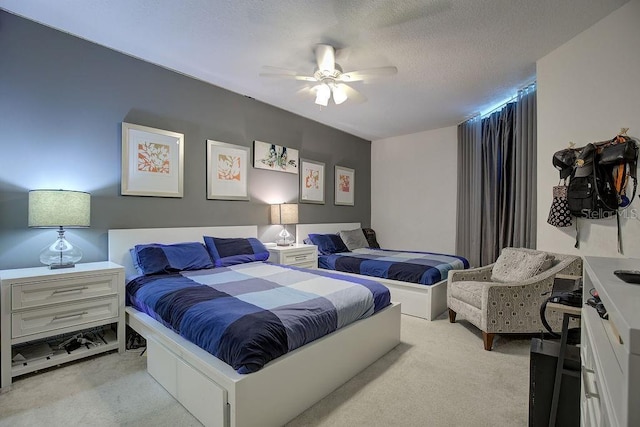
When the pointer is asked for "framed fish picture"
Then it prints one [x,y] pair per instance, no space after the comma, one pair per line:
[275,157]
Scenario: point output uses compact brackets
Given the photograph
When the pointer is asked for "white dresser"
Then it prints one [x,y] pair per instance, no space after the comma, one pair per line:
[611,348]
[298,254]
[37,304]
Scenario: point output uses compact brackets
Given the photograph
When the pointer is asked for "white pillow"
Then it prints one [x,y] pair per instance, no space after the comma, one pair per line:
[354,239]
[515,265]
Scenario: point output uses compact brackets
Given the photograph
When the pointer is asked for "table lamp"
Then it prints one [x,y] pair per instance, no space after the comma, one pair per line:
[283,214]
[59,209]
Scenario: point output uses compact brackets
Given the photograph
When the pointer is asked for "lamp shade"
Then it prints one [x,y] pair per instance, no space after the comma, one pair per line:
[286,213]
[59,208]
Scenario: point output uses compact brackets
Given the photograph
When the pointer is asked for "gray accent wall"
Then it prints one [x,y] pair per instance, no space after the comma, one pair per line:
[62,102]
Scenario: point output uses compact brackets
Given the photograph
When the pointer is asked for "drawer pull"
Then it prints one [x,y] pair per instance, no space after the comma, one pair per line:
[66,316]
[64,291]
[587,384]
[300,257]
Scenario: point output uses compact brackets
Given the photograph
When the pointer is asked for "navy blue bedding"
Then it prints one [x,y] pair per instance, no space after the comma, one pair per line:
[250,314]
[425,268]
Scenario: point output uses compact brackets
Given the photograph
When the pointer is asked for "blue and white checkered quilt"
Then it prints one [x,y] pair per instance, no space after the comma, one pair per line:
[249,314]
[425,268]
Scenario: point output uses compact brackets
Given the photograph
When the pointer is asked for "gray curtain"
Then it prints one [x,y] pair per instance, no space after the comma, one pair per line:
[469,196]
[497,181]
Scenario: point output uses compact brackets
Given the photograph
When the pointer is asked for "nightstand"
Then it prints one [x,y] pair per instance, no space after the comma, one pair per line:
[298,254]
[39,306]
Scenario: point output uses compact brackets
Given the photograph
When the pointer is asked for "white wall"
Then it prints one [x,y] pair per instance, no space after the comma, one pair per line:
[588,89]
[413,190]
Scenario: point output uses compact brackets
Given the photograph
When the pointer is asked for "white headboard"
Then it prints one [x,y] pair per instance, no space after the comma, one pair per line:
[303,230]
[121,241]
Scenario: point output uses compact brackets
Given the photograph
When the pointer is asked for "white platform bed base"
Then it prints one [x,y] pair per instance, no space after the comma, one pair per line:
[216,394]
[427,302]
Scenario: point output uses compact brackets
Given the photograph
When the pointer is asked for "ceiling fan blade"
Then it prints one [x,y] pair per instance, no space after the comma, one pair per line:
[289,76]
[352,94]
[271,68]
[325,58]
[356,76]
[306,91]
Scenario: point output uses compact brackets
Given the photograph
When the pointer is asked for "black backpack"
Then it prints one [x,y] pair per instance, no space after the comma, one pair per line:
[592,193]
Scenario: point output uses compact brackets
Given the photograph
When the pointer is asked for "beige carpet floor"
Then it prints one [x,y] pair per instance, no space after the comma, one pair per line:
[439,375]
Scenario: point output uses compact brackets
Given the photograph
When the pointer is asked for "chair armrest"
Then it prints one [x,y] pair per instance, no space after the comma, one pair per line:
[480,274]
[510,300]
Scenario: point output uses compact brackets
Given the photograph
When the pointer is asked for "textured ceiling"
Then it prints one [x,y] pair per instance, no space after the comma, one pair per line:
[454,57]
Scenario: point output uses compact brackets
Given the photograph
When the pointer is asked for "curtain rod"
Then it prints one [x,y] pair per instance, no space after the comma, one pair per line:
[475,115]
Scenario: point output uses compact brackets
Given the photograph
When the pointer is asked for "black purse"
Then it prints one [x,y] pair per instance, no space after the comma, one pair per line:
[619,150]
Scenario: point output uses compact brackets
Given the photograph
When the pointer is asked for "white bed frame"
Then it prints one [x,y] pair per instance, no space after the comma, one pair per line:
[216,394]
[427,302]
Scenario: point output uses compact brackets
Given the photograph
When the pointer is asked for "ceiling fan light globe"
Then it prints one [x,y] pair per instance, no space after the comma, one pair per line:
[338,95]
[322,101]
[323,93]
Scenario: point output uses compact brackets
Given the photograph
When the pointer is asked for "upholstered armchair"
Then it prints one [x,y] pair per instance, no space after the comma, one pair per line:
[505,297]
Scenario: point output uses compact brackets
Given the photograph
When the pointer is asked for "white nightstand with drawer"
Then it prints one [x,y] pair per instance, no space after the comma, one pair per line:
[299,255]
[39,303]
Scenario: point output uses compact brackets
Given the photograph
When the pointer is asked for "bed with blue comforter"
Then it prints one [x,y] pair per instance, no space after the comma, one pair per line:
[425,268]
[249,314]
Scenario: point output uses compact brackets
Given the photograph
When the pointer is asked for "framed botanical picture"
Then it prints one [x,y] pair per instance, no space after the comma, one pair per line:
[274,157]
[152,162]
[311,182]
[345,186]
[227,171]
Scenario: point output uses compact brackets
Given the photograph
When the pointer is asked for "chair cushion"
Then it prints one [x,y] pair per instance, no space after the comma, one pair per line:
[515,265]
[468,292]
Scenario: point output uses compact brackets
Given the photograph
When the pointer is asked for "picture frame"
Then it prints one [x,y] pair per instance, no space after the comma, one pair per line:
[275,157]
[312,177]
[152,162]
[227,171]
[345,185]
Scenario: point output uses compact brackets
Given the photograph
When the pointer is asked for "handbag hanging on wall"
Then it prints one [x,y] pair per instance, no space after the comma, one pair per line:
[559,214]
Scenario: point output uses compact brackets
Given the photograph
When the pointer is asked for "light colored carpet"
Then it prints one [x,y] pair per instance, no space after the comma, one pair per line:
[439,375]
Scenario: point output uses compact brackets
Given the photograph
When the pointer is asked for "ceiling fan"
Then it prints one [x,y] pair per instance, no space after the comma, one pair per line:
[330,78]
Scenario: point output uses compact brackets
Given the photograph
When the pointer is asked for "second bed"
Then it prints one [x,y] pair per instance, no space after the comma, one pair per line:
[420,286]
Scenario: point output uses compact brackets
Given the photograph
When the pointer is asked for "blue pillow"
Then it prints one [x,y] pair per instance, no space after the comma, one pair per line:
[156,258]
[134,257]
[225,252]
[328,243]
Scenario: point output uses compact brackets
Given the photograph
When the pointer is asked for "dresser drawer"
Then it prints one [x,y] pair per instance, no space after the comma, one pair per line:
[35,294]
[298,257]
[311,265]
[60,316]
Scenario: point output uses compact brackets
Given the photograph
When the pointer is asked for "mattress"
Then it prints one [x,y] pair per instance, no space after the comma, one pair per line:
[425,268]
[250,314]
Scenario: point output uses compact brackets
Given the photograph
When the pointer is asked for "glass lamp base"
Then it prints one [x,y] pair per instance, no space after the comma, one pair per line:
[60,254]
[284,238]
